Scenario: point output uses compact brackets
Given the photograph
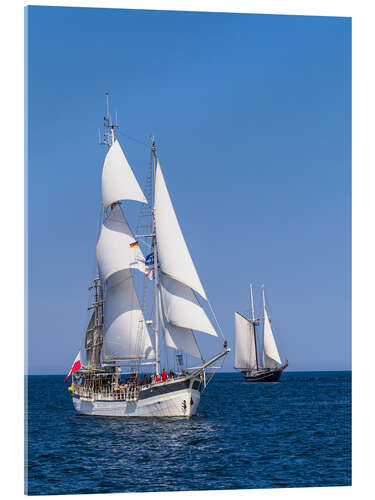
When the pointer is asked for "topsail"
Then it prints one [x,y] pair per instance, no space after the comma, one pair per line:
[113,251]
[118,179]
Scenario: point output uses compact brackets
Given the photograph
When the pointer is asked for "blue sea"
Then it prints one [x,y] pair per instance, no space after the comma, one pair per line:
[295,433]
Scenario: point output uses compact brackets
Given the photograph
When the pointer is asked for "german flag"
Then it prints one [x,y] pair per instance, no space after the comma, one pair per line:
[134,245]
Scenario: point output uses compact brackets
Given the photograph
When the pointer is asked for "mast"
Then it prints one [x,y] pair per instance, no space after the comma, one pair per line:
[253,321]
[109,126]
[263,297]
[264,307]
[156,272]
[98,304]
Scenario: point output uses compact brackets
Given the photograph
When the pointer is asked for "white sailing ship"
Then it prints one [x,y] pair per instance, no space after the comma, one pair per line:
[269,367]
[121,345]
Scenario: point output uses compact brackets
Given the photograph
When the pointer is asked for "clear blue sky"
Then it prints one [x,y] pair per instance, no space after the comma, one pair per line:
[252,115]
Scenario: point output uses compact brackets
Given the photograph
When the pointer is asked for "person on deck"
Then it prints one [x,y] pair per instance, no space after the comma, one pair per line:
[164,375]
[171,374]
[158,378]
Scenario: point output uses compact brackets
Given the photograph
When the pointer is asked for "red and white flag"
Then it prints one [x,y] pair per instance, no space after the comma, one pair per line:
[76,365]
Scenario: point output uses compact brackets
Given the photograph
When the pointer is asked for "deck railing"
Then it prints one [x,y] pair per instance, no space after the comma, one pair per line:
[115,393]
[105,393]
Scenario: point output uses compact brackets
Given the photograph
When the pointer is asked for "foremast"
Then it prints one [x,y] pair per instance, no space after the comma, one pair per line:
[97,305]
[94,358]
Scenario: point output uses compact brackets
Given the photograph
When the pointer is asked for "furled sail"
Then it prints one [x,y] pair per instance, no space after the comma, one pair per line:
[181,307]
[245,348]
[89,339]
[118,179]
[93,341]
[181,339]
[113,251]
[270,352]
[125,332]
[174,256]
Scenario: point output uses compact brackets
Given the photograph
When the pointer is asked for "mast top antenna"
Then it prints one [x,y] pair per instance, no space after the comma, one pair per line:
[109,126]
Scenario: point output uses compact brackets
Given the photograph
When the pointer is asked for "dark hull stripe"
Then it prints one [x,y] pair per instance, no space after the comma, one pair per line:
[153,391]
[163,389]
[272,376]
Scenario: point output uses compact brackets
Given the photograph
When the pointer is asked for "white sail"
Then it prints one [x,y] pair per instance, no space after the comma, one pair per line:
[181,307]
[125,333]
[245,348]
[270,352]
[113,251]
[174,256]
[181,339]
[118,179]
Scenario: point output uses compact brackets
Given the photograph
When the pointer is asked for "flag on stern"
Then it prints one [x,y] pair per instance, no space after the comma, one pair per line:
[76,365]
[134,245]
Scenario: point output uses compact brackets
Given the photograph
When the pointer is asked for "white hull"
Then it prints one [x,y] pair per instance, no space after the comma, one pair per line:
[179,403]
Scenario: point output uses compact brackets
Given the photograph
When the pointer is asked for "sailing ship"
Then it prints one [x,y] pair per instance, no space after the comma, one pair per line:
[115,380]
[270,367]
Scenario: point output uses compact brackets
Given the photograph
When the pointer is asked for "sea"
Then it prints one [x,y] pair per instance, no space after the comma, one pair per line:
[294,433]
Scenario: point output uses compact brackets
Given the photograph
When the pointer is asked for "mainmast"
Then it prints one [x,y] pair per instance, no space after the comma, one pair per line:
[253,321]
[156,272]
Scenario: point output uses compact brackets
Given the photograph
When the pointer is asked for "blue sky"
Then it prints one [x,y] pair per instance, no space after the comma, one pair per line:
[252,116]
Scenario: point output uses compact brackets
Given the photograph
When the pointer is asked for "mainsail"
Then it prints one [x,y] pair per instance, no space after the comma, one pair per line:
[118,179]
[270,352]
[245,346]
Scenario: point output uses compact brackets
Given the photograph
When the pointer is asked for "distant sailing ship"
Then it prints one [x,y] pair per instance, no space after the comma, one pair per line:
[118,344]
[246,347]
